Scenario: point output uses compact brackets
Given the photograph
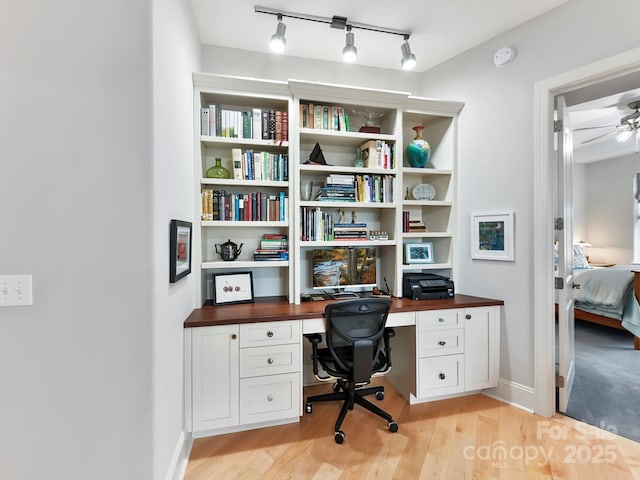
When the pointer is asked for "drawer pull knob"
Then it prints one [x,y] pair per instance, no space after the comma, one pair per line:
[270,361]
[468,316]
[270,398]
[442,376]
[441,320]
[442,343]
[269,334]
[234,336]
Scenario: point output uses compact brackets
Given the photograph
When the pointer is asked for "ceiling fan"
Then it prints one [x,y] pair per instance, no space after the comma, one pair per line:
[629,126]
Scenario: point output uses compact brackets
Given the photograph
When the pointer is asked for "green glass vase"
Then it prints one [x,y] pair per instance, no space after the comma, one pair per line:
[218,171]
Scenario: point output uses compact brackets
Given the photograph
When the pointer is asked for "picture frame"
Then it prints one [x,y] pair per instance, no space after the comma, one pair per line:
[492,236]
[229,288]
[418,253]
[180,241]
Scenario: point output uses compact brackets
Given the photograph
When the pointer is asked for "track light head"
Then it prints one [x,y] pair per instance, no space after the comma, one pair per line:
[278,42]
[408,60]
[349,52]
[624,135]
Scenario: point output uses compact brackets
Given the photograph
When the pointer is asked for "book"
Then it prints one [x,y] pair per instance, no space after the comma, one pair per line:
[278,126]
[236,160]
[256,124]
[246,124]
[265,125]
[272,125]
[285,126]
[204,121]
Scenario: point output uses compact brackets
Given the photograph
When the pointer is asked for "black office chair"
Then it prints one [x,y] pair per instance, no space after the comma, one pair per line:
[354,354]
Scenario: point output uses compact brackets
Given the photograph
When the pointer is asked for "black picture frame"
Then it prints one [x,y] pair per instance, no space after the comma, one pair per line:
[180,241]
[229,288]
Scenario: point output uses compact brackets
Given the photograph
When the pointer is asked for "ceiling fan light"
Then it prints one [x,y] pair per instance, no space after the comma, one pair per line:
[624,135]
[349,52]
[278,42]
[408,59]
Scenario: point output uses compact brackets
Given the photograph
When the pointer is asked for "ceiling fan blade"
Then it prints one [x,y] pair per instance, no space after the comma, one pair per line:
[591,128]
[599,136]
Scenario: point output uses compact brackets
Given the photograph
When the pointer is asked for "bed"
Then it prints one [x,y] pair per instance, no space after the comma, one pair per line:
[609,296]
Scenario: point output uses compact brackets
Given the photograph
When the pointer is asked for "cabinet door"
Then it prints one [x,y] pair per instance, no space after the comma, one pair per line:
[482,347]
[215,377]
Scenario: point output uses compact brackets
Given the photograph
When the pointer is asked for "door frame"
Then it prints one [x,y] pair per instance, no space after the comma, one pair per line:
[543,194]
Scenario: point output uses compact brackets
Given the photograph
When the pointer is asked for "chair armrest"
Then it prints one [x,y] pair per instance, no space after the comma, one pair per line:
[388,333]
[315,339]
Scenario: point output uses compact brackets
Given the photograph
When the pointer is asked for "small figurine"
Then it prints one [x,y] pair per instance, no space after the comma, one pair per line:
[353,216]
[340,216]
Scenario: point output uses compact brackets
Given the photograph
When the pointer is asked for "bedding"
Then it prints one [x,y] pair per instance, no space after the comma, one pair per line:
[608,292]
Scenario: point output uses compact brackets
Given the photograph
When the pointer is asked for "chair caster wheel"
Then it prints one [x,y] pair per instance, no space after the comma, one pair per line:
[379,395]
[393,426]
[339,436]
[308,408]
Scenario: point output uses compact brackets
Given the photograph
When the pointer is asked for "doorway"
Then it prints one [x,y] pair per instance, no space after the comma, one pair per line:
[544,315]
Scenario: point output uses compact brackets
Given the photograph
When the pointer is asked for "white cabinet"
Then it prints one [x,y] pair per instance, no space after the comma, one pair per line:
[456,351]
[214,377]
[243,376]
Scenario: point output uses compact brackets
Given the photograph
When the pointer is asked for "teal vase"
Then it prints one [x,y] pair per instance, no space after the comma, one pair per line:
[218,171]
[418,151]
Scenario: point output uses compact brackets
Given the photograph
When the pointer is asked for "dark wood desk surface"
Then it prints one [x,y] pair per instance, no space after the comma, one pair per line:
[274,309]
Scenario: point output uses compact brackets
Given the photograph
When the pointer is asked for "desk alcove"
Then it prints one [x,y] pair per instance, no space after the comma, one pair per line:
[245,364]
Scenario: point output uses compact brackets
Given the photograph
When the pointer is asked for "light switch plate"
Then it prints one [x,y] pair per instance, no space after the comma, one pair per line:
[15,290]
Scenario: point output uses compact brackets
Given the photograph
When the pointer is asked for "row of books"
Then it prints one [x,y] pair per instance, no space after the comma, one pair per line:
[378,154]
[319,225]
[273,247]
[324,117]
[358,188]
[250,165]
[244,207]
[409,225]
[255,123]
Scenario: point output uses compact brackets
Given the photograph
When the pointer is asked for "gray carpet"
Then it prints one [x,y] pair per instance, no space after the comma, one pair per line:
[606,388]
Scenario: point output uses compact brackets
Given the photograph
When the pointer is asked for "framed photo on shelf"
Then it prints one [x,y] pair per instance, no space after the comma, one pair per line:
[492,236]
[418,252]
[179,250]
[232,288]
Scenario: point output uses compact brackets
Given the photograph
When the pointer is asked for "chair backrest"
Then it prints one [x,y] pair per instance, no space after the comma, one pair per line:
[360,324]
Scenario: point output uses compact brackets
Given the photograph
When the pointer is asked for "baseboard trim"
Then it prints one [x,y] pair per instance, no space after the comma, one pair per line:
[180,458]
[515,394]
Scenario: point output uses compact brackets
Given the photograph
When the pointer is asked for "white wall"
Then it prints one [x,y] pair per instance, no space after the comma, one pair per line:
[75,203]
[609,202]
[496,150]
[176,55]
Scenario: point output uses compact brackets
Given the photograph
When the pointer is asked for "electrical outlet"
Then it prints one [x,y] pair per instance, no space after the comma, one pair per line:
[15,290]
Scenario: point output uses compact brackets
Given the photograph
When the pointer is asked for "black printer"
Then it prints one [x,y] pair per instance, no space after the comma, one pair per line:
[423,286]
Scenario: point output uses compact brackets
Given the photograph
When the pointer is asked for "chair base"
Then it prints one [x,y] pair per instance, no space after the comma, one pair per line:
[351,396]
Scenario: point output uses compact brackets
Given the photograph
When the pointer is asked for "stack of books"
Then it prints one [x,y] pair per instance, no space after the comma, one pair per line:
[273,247]
[350,231]
[409,225]
[338,188]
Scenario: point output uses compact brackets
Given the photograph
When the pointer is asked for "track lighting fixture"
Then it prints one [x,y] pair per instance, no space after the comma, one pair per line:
[278,41]
[408,60]
[349,52]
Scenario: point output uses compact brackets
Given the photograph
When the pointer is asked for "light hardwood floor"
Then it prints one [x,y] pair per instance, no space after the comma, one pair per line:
[472,437]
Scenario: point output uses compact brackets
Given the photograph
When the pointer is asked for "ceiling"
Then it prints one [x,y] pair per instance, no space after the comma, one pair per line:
[440,29]
[601,105]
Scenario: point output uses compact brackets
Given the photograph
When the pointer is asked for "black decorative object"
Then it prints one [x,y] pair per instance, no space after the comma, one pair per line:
[179,250]
[316,156]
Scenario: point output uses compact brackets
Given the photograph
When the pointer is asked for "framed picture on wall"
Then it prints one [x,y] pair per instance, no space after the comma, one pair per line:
[179,250]
[492,236]
[418,252]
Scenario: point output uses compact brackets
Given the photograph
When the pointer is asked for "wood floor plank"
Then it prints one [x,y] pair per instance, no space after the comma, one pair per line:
[458,438]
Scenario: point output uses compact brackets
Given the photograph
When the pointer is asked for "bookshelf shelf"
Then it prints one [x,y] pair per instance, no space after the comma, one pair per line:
[242,224]
[347,205]
[244,264]
[354,243]
[244,183]
[242,142]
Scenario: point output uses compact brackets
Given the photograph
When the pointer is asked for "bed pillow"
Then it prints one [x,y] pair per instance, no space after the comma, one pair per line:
[579,259]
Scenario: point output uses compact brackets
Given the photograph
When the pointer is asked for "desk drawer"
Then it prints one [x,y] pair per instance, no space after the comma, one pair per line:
[269,398]
[429,320]
[440,375]
[441,342]
[269,333]
[270,360]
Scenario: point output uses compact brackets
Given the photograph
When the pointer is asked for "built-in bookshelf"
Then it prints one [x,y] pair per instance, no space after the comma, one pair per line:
[357,193]
[245,123]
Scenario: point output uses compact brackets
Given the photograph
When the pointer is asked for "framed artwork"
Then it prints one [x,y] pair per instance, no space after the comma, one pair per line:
[492,236]
[418,252]
[179,250]
[232,288]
